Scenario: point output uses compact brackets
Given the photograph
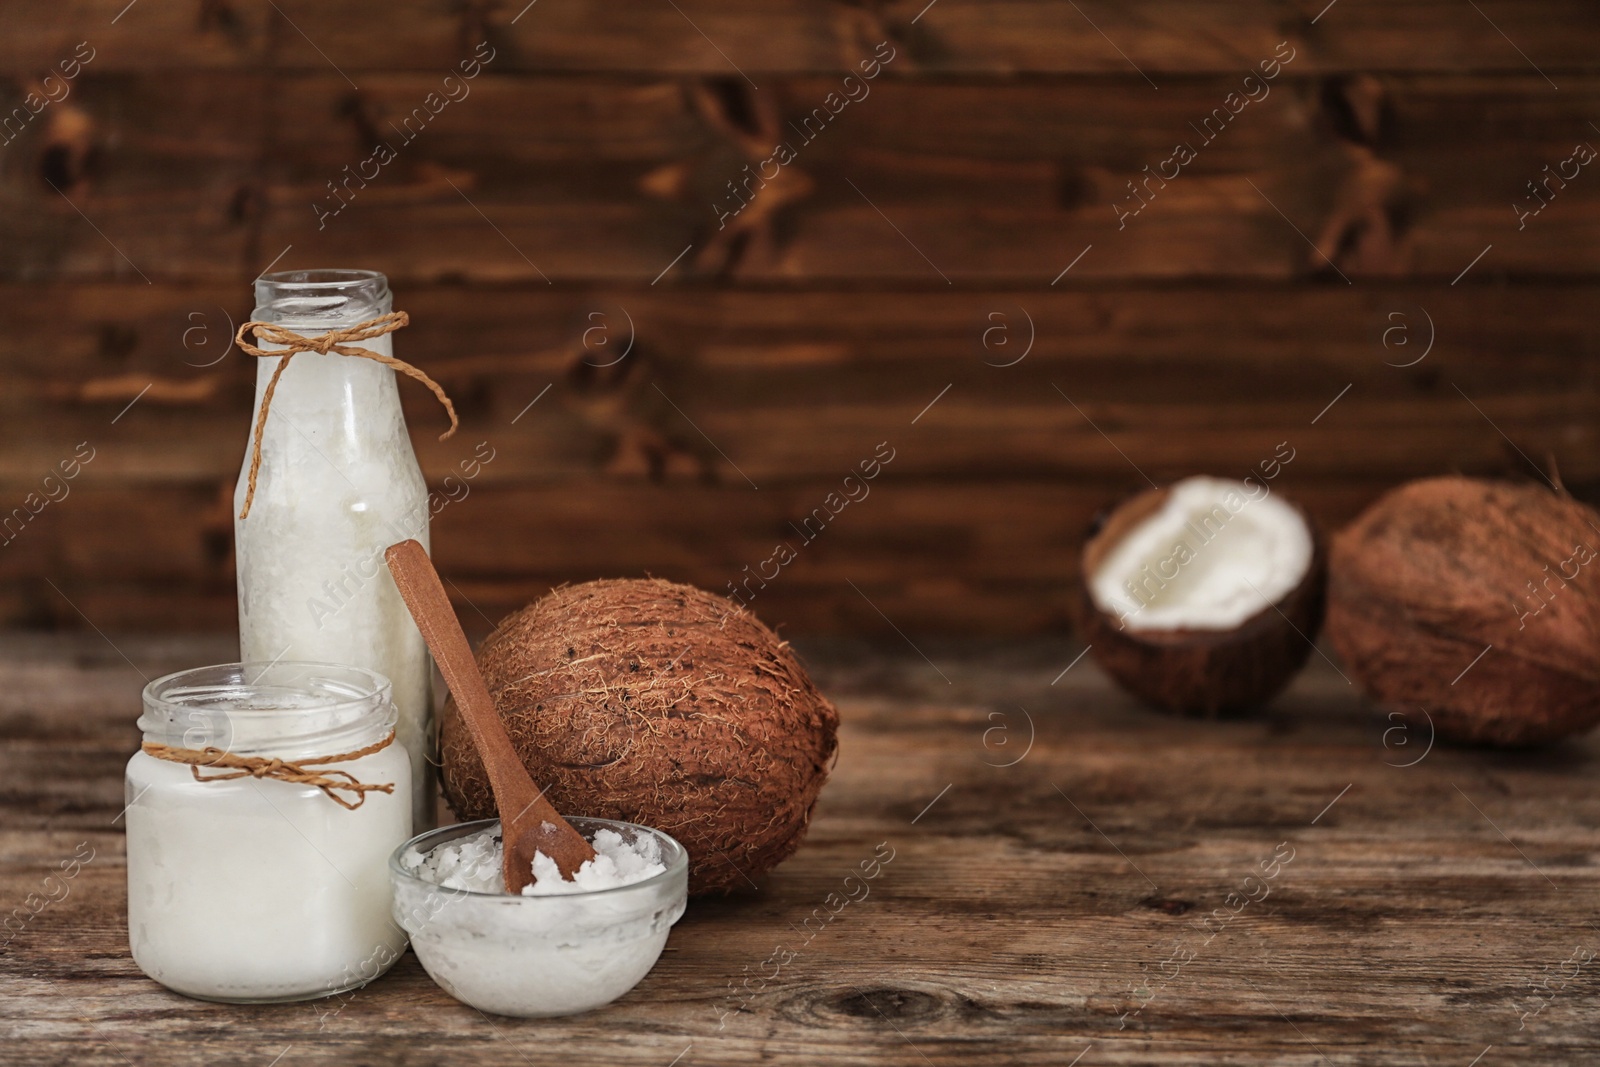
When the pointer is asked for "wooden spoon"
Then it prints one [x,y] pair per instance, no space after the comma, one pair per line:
[528,822]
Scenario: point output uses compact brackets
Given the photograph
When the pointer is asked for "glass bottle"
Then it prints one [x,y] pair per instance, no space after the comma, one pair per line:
[338,483]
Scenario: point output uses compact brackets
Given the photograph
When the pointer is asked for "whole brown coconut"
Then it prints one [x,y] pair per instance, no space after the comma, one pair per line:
[659,704]
[1202,671]
[1440,572]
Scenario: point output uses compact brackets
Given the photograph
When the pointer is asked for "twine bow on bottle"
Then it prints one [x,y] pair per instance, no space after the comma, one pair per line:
[297,772]
[334,342]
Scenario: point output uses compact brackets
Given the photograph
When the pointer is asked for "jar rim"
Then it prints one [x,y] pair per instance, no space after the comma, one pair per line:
[322,276]
[283,703]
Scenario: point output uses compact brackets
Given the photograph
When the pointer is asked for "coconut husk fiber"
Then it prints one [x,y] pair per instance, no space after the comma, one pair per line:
[660,704]
[1478,601]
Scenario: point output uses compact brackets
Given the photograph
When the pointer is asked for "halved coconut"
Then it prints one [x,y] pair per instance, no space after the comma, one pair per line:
[1205,595]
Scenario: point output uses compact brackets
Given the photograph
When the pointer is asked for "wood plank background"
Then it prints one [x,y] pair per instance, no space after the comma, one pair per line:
[1357,217]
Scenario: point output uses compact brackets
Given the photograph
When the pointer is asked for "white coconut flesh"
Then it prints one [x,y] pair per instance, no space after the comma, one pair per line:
[1216,553]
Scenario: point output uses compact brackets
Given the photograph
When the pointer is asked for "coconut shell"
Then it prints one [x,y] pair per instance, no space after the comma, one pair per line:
[659,704]
[1437,571]
[1201,672]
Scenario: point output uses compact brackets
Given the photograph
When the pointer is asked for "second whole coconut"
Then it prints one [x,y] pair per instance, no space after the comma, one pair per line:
[660,704]
[1477,601]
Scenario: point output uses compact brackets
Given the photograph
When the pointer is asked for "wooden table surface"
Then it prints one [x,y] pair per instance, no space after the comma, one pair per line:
[1075,879]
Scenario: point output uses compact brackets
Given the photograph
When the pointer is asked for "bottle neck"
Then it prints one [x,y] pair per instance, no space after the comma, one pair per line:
[312,304]
[334,440]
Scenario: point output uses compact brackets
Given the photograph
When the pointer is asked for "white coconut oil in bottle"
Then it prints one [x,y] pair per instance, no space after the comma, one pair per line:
[337,484]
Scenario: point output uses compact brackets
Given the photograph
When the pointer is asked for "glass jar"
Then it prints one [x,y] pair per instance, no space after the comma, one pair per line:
[253,889]
[338,483]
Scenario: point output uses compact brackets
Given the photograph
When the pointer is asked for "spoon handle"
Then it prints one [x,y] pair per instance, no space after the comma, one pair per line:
[516,795]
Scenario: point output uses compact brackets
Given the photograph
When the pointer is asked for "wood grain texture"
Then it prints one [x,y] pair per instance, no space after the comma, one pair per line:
[795,388]
[930,232]
[1000,559]
[1029,913]
[974,523]
[952,37]
[582,180]
[132,178]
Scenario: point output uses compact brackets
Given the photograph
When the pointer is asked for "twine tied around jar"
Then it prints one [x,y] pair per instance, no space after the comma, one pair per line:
[331,343]
[296,772]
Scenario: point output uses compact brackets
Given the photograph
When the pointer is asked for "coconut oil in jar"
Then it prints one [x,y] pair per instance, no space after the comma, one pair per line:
[338,483]
[255,889]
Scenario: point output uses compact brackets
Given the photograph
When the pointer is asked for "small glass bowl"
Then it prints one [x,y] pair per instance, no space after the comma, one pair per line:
[541,955]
